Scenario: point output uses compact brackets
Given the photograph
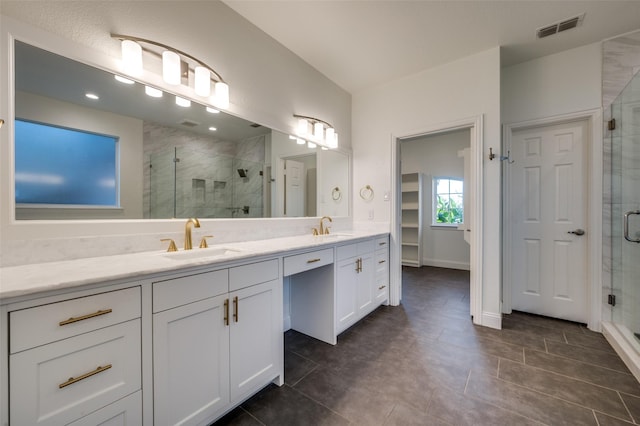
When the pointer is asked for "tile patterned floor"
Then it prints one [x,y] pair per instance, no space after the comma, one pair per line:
[425,363]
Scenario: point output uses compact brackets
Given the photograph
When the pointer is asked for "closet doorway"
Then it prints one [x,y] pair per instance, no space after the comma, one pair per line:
[425,154]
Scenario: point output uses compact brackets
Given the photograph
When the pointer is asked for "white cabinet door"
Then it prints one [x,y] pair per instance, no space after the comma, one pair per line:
[190,362]
[125,412]
[346,293]
[256,337]
[366,278]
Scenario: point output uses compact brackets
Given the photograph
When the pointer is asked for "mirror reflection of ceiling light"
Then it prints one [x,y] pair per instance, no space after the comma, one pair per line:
[185,103]
[176,65]
[213,129]
[92,96]
[121,79]
[324,134]
[300,141]
[153,92]
[213,110]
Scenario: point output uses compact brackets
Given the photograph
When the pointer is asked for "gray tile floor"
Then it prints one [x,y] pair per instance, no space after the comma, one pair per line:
[425,363]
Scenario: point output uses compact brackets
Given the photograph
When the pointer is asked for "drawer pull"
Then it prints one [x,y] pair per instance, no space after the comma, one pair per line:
[381,261]
[84,317]
[226,311]
[313,260]
[73,380]
[382,244]
[235,309]
[381,287]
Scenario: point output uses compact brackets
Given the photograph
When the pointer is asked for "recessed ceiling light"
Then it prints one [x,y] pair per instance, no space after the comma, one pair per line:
[92,96]
[153,92]
[213,129]
[213,110]
[121,79]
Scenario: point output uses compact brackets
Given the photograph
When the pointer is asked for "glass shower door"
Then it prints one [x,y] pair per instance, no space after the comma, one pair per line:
[625,208]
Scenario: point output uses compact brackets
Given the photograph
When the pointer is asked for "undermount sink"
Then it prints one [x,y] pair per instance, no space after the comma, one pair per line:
[200,253]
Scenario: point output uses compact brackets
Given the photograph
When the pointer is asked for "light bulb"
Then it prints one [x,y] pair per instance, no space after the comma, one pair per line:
[171,67]
[318,131]
[202,81]
[131,57]
[221,95]
[303,127]
[329,135]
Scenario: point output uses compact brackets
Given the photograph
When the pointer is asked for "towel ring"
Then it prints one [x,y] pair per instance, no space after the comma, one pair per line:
[366,193]
[336,194]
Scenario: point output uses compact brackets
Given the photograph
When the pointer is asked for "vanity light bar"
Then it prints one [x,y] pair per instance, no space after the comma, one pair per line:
[174,66]
[322,133]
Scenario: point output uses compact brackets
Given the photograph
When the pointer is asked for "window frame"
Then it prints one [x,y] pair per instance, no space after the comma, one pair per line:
[434,201]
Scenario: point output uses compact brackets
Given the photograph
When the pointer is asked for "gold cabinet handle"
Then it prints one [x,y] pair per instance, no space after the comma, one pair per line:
[381,261]
[226,311]
[73,380]
[313,260]
[381,287]
[235,309]
[84,317]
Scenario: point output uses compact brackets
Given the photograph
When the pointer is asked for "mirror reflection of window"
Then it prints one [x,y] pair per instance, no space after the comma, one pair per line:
[60,166]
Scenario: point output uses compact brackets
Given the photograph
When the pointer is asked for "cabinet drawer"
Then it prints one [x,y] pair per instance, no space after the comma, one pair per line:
[382,242]
[190,288]
[48,323]
[63,381]
[125,412]
[252,274]
[306,261]
[355,249]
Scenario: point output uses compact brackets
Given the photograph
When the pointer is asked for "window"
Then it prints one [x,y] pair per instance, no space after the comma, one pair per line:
[60,166]
[447,201]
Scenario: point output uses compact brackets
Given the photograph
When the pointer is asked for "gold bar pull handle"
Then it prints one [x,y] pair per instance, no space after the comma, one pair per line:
[382,244]
[226,311]
[235,309]
[381,261]
[381,287]
[84,317]
[313,260]
[73,380]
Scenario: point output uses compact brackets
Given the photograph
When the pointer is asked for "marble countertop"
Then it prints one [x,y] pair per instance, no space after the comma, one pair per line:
[29,279]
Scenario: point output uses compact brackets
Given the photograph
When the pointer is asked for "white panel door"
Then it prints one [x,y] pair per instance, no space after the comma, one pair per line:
[547,210]
[294,191]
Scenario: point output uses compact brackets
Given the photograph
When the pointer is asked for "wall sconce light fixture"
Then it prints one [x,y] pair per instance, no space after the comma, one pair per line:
[176,64]
[316,131]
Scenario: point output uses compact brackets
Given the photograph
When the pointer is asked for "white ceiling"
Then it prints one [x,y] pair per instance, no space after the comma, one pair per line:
[362,43]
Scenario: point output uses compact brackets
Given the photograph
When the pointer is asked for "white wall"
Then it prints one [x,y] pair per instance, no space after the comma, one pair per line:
[465,88]
[437,155]
[129,133]
[562,83]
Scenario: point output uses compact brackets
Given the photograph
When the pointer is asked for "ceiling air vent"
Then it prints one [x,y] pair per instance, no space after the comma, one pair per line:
[558,27]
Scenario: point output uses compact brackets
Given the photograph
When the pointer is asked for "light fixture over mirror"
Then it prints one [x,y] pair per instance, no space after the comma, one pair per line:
[176,66]
[316,132]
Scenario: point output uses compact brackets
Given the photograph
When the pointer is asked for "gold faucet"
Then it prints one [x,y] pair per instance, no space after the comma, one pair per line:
[323,230]
[187,232]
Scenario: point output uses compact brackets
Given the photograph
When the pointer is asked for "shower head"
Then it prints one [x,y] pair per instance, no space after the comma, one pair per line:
[243,173]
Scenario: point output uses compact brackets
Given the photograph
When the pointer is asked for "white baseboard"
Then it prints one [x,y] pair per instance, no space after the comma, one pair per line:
[492,320]
[623,348]
[446,264]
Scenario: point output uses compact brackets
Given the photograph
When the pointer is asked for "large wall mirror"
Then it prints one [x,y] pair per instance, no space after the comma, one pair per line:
[90,146]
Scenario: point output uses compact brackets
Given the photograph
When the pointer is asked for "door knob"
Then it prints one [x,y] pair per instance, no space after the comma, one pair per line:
[577,232]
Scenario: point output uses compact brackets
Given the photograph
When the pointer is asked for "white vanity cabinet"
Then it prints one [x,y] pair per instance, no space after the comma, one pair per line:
[76,361]
[217,339]
[354,283]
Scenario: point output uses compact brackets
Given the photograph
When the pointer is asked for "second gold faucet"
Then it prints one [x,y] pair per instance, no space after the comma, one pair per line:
[187,232]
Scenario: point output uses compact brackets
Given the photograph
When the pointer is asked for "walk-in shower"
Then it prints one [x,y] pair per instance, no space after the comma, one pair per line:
[623,132]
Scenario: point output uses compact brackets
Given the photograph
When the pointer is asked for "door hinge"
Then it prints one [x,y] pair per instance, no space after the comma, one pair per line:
[611,299]
[611,124]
